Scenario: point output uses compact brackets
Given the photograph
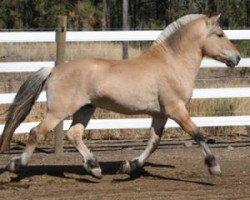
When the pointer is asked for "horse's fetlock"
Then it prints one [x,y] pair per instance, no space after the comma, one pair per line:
[125,167]
[130,166]
[92,166]
[136,164]
[210,161]
[92,163]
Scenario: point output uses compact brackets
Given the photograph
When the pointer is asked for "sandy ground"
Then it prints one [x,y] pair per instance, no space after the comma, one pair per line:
[173,172]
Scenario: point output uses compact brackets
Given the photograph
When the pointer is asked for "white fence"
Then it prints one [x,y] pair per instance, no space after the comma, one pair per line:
[108,36]
[94,36]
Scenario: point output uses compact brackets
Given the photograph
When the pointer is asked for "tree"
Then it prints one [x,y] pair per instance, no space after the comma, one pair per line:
[106,10]
[95,14]
[248,12]
[211,6]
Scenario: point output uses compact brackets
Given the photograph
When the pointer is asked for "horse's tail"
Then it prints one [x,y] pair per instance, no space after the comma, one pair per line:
[23,102]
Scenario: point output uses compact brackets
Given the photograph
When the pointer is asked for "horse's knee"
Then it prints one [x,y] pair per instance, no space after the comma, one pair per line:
[75,133]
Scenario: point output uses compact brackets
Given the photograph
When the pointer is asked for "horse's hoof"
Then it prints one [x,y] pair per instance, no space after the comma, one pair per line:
[93,168]
[14,165]
[96,172]
[213,166]
[125,167]
[215,170]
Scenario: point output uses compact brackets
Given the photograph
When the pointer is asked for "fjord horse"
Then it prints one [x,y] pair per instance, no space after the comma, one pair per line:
[158,83]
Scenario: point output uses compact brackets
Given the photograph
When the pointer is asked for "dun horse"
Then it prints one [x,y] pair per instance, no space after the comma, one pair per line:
[158,83]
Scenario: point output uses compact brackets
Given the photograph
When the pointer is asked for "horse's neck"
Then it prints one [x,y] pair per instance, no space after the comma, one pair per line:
[188,55]
[183,62]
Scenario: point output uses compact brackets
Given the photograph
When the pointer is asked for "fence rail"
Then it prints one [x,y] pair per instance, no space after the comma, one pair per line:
[104,36]
[33,66]
[205,93]
[95,36]
[141,123]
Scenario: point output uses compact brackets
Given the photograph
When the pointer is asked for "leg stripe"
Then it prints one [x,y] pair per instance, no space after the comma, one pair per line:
[199,137]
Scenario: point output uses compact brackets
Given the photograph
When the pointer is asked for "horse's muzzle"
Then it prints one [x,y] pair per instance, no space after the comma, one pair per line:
[233,60]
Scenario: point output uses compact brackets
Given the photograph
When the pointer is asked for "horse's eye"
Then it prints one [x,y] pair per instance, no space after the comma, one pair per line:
[220,35]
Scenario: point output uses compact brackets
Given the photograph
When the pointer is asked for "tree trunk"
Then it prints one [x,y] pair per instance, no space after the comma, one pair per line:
[212,6]
[135,13]
[248,13]
[106,6]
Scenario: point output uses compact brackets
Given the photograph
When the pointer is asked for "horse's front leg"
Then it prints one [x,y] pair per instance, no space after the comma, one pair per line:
[156,131]
[181,116]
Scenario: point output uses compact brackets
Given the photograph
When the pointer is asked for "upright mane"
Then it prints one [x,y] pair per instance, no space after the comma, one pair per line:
[175,26]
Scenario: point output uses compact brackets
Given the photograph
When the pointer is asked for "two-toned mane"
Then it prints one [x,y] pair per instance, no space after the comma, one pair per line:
[175,26]
[158,83]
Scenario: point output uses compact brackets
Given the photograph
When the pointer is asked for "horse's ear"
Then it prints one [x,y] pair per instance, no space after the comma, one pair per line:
[213,19]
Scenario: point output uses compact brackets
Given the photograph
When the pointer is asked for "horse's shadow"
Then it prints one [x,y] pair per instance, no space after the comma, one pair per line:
[108,168]
[60,171]
[143,173]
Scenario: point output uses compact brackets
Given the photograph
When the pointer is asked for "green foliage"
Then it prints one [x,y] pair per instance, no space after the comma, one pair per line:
[234,13]
[88,12]
[144,14]
[20,14]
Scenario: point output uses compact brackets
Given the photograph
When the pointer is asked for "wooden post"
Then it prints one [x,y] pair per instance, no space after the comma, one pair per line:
[248,26]
[125,26]
[60,56]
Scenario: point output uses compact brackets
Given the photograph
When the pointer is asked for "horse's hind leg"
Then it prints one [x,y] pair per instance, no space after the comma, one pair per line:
[181,116]
[156,131]
[36,134]
[74,134]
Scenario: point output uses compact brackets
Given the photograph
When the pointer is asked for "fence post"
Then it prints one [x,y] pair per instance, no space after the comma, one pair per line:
[125,25]
[60,56]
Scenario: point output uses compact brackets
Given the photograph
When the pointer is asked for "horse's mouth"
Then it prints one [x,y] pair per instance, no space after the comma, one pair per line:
[232,60]
[230,63]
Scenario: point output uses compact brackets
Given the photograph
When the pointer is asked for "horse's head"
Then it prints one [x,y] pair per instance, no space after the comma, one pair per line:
[216,44]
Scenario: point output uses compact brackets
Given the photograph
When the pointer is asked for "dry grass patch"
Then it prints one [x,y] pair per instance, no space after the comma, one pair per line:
[47,51]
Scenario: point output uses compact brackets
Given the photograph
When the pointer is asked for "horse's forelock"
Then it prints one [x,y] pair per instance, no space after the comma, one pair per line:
[176,25]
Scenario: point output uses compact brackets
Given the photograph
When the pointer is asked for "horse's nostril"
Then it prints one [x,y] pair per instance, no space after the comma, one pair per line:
[238,58]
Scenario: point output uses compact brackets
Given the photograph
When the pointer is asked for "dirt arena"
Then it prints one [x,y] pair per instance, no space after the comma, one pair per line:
[173,172]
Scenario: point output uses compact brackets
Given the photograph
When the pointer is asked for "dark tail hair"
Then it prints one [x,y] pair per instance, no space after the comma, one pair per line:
[23,102]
